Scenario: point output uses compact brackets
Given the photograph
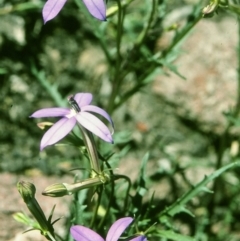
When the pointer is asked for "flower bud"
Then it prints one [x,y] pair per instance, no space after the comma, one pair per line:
[211,8]
[27,190]
[62,189]
[56,190]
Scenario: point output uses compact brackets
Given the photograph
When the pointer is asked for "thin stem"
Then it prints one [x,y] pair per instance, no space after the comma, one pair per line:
[116,80]
[151,66]
[51,89]
[96,208]
[143,34]
[128,189]
[237,107]
[49,235]
[110,198]
[59,237]
[236,110]
[176,207]
[92,151]
[183,33]
[97,32]
[222,142]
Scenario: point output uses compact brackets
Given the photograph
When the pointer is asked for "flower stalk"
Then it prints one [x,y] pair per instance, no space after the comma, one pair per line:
[62,189]
[27,190]
[92,151]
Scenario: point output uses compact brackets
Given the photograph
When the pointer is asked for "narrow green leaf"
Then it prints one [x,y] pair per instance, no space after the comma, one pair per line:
[177,206]
[174,236]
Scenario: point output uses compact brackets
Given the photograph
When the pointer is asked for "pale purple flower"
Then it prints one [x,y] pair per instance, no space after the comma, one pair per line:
[79,113]
[96,8]
[81,233]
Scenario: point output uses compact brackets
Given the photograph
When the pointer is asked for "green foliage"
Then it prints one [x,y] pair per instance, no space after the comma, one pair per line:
[118,60]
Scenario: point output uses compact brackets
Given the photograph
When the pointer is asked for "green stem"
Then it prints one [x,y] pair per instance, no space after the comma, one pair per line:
[143,34]
[110,197]
[51,89]
[92,151]
[237,107]
[178,206]
[128,189]
[222,145]
[49,235]
[116,80]
[183,33]
[96,208]
[96,31]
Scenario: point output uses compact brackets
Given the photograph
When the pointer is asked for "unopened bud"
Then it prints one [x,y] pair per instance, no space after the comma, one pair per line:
[27,190]
[62,189]
[209,9]
[56,190]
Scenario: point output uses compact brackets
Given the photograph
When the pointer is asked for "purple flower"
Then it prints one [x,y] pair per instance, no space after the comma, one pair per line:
[79,113]
[81,233]
[96,8]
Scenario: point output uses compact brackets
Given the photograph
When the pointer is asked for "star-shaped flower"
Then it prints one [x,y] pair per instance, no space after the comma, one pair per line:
[81,233]
[96,8]
[79,113]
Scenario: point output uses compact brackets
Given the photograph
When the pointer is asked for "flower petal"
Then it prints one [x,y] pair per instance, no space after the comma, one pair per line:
[51,9]
[83,99]
[51,112]
[96,126]
[96,8]
[139,238]
[58,131]
[100,111]
[118,228]
[81,233]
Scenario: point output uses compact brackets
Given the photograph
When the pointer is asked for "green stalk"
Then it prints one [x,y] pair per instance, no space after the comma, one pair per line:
[110,197]
[143,34]
[92,151]
[116,80]
[178,206]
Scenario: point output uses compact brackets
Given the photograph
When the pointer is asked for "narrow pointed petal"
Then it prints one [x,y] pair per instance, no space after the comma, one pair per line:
[139,238]
[100,111]
[57,132]
[52,8]
[81,233]
[50,112]
[96,8]
[118,228]
[83,99]
[96,126]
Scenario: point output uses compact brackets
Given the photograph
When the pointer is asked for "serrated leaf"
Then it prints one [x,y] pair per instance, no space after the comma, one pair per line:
[173,68]
[174,236]
[185,210]
[201,186]
[205,189]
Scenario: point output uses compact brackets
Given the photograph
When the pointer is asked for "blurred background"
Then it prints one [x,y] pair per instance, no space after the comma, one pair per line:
[182,121]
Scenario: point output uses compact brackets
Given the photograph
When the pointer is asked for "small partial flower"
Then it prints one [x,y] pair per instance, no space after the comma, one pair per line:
[96,8]
[78,114]
[81,233]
